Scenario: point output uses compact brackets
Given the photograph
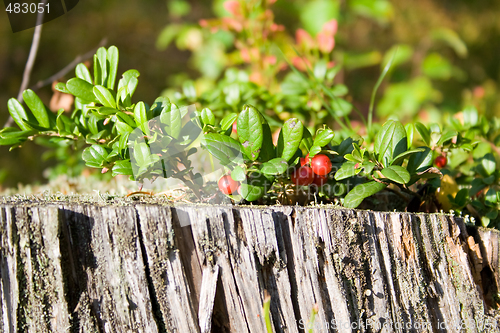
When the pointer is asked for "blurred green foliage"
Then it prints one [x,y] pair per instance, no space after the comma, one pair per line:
[446,55]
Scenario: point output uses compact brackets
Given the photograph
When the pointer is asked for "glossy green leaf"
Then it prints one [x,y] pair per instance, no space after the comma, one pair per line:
[489,164]
[276,166]
[64,125]
[16,134]
[92,124]
[123,142]
[420,161]
[424,133]
[293,131]
[113,57]
[396,173]
[61,86]
[314,150]
[190,132]
[252,192]
[207,117]
[307,140]
[141,118]
[267,152]
[255,186]
[97,71]
[447,136]
[346,147]
[461,197]
[95,156]
[490,197]
[161,103]
[227,121]
[238,174]
[35,126]
[106,111]
[226,149]
[481,149]
[82,89]
[11,141]
[250,131]
[172,121]
[8,129]
[123,167]
[347,170]
[104,96]
[323,137]
[390,142]
[143,160]
[102,56]
[354,198]
[83,73]
[410,129]
[129,81]
[18,113]
[36,106]
[353,158]
[123,128]
[368,166]
[399,159]
[126,119]
[142,155]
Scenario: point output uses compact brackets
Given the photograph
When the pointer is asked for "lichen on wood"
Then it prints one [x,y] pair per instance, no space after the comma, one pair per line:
[151,267]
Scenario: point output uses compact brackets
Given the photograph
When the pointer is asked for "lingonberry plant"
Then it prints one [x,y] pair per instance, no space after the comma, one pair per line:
[297,164]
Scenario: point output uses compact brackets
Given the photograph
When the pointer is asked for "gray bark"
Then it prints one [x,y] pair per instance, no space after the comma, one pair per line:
[153,268]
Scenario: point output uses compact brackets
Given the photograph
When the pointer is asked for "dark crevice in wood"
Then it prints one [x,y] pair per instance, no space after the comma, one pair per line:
[21,276]
[72,290]
[7,279]
[79,227]
[431,300]
[290,261]
[230,253]
[282,262]
[189,256]
[157,313]
[220,316]
[490,284]
[325,298]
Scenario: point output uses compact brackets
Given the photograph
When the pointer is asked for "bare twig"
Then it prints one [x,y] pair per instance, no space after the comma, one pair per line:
[69,67]
[31,59]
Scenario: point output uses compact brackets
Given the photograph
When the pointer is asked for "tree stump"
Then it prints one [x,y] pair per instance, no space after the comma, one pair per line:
[68,267]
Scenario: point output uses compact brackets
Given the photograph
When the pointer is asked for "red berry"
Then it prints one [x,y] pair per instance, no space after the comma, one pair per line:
[441,161]
[235,128]
[321,165]
[302,176]
[320,180]
[304,160]
[227,185]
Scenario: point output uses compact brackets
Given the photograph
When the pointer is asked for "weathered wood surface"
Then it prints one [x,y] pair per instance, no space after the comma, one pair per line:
[153,268]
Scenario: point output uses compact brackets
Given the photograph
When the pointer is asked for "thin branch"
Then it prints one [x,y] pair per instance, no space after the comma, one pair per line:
[69,67]
[31,60]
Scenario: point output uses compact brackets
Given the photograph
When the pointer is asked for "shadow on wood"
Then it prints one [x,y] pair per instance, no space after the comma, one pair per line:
[152,268]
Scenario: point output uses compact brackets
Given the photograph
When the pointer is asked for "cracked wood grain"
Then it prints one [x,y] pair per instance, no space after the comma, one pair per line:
[151,268]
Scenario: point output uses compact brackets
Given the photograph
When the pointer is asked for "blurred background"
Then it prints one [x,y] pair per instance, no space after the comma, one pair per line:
[447,55]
